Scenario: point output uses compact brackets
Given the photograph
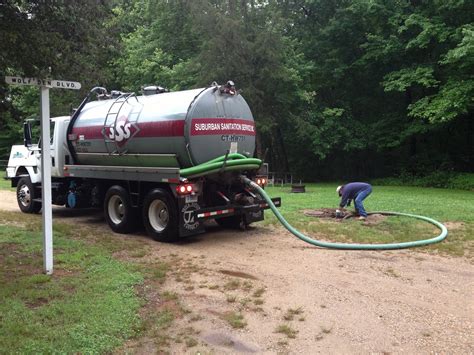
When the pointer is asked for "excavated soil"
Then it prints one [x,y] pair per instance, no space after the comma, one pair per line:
[330,213]
[321,213]
[295,298]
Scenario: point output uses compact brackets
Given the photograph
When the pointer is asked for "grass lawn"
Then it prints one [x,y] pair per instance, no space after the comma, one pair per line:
[105,289]
[88,306]
[97,298]
[5,184]
[453,206]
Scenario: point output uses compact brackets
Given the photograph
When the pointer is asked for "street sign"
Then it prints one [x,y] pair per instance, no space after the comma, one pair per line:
[49,83]
[63,84]
[47,214]
[16,80]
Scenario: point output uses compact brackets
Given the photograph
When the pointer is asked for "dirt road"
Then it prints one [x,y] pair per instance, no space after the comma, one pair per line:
[300,299]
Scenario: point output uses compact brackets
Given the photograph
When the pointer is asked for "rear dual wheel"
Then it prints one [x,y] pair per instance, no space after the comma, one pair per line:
[158,213]
[160,216]
[119,213]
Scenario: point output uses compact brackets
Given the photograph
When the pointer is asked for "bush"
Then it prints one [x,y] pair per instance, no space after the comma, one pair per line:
[463,181]
[435,179]
[440,179]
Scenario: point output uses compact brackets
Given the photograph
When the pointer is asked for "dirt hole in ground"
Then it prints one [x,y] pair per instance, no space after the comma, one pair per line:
[330,213]
[321,213]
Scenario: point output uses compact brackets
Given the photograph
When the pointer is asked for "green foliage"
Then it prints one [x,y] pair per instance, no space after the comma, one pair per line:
[441,179]
[462,53]
[11,133]
[397,69]
[454,99]
[408,77]
[46,39]
[462,182]
[332,81]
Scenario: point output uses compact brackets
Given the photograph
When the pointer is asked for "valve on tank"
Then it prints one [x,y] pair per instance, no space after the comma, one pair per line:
[114,94]
[153,90]
[228,88]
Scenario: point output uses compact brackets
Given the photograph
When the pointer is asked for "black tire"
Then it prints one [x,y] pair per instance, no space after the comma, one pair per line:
[231,222]
[118,210]
[160,217]
[26,193]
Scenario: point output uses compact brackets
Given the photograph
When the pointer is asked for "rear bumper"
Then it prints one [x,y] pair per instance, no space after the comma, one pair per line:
[234,210]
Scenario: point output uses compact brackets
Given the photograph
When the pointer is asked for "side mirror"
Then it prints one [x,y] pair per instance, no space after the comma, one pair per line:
[27,134]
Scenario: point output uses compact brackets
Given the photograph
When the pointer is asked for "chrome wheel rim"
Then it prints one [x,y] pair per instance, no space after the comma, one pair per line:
[158,215]
[116,208]
[24,195]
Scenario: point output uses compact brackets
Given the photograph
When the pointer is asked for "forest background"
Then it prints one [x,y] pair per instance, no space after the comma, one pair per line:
[340,89]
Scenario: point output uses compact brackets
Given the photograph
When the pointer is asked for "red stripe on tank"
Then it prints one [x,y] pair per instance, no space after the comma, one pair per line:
[161,129]
[216,126]
[173,128]
[90,132]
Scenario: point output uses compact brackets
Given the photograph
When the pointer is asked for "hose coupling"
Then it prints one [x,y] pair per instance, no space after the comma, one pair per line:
[246,181]
[243,179]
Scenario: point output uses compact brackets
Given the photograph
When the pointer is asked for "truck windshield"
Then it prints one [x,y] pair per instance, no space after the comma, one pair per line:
[37,133]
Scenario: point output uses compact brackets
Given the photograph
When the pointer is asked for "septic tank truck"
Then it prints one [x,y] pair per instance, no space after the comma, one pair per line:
[169,160]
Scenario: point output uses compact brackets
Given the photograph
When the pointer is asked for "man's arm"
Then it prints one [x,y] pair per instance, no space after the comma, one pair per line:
[345,201]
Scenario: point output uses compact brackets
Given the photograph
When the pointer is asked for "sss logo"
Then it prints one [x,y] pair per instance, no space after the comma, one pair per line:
[121,131]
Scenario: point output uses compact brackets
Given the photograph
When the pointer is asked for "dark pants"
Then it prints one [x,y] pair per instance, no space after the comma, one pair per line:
[358,201]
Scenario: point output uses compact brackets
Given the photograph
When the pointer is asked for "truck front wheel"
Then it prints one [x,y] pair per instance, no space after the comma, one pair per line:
[119,213]
[159,216]
[26,195]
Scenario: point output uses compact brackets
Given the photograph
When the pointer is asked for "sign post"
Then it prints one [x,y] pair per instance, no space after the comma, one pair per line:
[47,213]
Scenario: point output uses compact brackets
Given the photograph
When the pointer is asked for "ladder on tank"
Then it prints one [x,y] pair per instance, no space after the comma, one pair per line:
[110,122]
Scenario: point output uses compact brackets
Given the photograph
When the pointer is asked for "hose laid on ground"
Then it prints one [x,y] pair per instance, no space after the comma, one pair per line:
[236,161]
[355,246]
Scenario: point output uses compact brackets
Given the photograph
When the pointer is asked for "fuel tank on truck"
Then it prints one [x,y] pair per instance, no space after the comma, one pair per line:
[174,129]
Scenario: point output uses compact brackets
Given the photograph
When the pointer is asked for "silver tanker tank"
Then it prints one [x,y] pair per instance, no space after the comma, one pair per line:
[176,129]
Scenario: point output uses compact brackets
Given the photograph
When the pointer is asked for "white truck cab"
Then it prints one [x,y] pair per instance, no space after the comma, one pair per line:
[25,160]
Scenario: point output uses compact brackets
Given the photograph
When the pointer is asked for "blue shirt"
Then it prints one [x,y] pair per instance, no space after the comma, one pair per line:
[351,190]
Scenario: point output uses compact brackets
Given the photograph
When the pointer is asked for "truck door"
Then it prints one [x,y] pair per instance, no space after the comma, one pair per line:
[38,151]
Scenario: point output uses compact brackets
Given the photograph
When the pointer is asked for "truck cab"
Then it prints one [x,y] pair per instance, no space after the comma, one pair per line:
[25,160]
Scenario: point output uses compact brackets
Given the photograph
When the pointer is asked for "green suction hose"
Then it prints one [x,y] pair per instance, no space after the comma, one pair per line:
[355,246]
[234,161]
[237,161]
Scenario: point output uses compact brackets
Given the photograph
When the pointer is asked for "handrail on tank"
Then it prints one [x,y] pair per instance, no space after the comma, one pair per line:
[119,100]
[74,117]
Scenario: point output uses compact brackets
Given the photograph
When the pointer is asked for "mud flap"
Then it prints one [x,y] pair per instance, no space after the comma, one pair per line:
[253,216]
[189,224]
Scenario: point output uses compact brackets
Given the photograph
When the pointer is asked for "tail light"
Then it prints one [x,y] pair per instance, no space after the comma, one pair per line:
[262,181]
[185,189]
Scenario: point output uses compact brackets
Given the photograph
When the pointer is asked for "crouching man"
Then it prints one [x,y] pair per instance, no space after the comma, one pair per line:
[357,191]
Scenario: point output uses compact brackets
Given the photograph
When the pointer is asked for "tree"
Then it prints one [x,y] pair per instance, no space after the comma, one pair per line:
[50,39]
